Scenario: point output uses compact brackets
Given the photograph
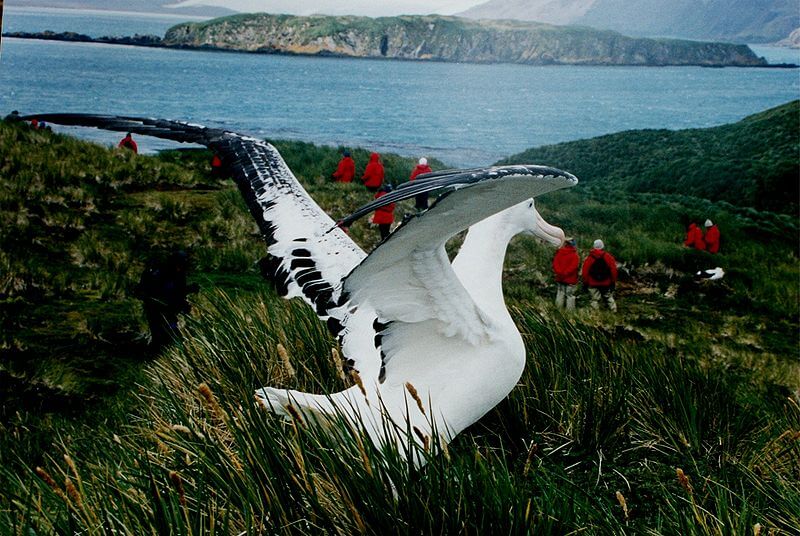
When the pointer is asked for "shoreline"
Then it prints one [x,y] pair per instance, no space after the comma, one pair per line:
[154,41]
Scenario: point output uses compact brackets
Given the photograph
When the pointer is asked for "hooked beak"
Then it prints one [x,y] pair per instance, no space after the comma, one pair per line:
[549,233]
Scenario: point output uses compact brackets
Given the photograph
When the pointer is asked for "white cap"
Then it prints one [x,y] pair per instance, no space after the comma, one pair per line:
[598,244]
[708,223]
[423,161]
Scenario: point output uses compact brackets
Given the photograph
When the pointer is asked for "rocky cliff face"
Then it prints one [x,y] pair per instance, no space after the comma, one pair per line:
[448,39]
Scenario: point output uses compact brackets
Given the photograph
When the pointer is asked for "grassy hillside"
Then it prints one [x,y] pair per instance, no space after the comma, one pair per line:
[95,434]
[752,163]
[79,222]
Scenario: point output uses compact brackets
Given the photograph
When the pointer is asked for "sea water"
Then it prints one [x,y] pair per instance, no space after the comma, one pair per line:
[464,114]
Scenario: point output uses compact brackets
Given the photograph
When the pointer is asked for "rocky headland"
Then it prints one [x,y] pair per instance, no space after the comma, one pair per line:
[432,38]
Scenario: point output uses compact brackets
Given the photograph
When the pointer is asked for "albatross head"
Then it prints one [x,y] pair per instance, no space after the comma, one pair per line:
[527,220]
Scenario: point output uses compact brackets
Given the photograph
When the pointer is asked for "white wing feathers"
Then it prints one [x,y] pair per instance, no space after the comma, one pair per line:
[409,278]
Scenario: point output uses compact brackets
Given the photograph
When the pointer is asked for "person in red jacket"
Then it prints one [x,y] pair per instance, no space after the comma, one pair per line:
[600,275]
[128,143]
[421,200]
[384,216]
[216,166]
[694,237]
[373,173]
[565,268]
[711,237]
[346,169]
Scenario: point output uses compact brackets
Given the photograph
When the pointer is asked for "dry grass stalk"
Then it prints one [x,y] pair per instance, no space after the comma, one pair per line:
[444,447]
[362,528]
[181,428]
[683,480]
[210,403]
[285,361]
[364,457]
[177,481]
[44,475]
[623,503]
[73,493]
[426,441]
[71,465]
[220,416]
[413,392]
[294,413]
[357,380]
[534,448]
[162,447]
[338,364]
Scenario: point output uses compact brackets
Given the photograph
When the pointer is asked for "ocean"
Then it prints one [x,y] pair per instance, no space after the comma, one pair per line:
[463,114]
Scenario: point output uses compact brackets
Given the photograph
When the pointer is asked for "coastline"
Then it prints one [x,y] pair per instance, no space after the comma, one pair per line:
[154,41]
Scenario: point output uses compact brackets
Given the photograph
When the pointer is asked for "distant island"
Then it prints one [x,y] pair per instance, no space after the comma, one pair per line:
[431,38]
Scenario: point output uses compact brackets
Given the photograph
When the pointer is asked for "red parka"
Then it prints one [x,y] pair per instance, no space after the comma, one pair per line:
[712,239]
[128,143]
[419,170]
[590,260]
[565,265]
[373,174]
[346,170]
[694,237]
[384,214]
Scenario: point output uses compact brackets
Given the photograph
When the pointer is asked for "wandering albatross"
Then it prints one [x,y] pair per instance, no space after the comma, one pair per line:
[431,342]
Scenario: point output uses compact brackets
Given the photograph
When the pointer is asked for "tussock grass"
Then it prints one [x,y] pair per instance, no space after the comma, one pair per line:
[591,416]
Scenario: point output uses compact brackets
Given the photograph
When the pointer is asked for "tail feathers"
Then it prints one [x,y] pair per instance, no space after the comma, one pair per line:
[275,400]
[293,404]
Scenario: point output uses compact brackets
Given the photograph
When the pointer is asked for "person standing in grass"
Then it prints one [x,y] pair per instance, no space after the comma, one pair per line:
[128,143]
[711,237]
[565,268]
[421,200]
[13,117]
[373,173]
[600,275]
[384,216]
[163,291]
[216,166]
[346,170]
[694,237]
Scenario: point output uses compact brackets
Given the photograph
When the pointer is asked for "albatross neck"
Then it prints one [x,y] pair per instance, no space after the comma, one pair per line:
[479,264]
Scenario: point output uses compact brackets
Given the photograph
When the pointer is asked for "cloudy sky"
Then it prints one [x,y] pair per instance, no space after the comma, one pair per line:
[371,8]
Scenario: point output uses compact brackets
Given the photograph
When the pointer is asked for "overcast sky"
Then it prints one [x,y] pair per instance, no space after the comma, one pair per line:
[372,8]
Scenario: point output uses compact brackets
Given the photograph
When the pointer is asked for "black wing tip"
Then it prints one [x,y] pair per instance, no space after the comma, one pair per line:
[437,180]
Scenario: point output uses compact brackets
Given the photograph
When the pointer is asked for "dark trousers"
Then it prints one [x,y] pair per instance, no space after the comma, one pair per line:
[163,324]
[421,201]
[385,229]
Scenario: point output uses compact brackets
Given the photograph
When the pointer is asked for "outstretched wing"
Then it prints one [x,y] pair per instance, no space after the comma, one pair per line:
[307,256]
[408,280]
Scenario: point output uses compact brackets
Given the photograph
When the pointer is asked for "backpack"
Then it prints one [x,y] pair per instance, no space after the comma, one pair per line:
[599,270]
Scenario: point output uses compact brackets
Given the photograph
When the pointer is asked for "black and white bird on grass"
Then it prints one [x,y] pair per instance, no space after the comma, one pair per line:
[431,341]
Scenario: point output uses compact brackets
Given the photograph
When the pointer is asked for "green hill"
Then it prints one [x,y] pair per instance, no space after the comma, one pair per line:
[752,163]
[97,435]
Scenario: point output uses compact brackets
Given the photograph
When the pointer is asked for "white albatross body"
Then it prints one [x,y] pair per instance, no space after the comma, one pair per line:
[456,379]
[408,320]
